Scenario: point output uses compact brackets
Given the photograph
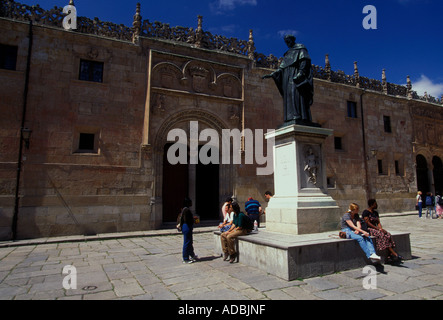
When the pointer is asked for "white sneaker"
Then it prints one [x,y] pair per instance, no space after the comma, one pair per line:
[374,257]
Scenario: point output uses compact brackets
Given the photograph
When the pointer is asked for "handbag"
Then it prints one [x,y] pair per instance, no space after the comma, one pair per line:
[342,235]
[179,224]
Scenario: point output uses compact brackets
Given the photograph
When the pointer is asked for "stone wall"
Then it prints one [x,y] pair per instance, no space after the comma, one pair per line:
[151,86]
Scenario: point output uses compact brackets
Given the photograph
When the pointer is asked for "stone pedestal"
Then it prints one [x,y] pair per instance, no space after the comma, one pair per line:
[301,204]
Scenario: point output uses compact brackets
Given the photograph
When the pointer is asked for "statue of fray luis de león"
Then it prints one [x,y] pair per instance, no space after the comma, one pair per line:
[295,81]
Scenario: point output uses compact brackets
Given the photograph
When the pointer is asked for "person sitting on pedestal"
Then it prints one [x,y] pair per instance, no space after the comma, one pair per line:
[241,225]
[351,224]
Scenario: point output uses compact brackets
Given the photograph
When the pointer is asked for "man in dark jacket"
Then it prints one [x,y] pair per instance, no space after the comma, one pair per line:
[187,224]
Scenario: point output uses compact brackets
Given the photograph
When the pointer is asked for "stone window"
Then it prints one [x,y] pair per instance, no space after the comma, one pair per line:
[86,141]
[387,124]
[382,168]
[352,109]
[91,71]
[330,181]
[338,143]
[8,57]
[399,167]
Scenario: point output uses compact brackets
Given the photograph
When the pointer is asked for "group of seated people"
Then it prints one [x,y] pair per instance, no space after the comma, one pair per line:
[362,229]
[237,223]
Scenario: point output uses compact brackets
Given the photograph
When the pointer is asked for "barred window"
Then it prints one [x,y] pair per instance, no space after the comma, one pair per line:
[91,71]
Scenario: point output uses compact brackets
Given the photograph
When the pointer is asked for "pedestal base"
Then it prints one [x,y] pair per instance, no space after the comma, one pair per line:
[301,204]
[292,257]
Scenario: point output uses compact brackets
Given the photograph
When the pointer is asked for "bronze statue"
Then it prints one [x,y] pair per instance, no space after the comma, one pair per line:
[294,80]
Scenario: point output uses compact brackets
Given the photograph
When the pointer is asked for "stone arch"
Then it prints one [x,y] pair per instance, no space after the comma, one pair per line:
[181,120]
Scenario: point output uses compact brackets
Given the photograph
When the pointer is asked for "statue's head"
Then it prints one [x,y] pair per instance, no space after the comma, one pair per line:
[290,40]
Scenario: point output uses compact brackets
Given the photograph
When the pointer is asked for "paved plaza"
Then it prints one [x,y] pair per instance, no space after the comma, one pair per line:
[148,266]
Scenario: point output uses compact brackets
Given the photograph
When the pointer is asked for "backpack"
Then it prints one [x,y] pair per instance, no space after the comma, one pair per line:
[428,201]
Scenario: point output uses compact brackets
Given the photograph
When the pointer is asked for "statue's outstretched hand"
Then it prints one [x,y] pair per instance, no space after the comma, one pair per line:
[267,76]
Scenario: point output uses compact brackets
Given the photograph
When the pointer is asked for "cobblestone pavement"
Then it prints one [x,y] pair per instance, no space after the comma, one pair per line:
[150,267]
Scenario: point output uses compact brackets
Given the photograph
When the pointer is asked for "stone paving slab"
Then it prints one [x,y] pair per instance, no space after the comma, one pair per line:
[149,267]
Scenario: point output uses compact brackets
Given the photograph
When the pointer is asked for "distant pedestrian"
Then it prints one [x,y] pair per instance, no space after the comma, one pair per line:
[419,203]
[253,209]
[268,196]
[430,205]
[439,205]
[187,225]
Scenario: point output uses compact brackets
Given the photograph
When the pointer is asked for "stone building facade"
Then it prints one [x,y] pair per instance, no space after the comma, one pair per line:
[102,102]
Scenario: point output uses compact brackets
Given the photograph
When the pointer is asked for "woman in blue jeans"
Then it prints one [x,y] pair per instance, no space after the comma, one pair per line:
[351,224]
[187,224]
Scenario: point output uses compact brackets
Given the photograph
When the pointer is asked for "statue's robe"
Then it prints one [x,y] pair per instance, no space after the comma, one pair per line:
[295,81]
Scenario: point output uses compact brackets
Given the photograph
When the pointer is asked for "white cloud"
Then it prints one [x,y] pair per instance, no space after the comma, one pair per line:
[227,5]
[424,84]
[283,33]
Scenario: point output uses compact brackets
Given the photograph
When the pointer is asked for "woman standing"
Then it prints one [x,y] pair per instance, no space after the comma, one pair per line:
[419,203]
[187,224]
[350,223]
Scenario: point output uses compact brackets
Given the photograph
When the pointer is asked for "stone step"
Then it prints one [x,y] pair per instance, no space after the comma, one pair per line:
[293,257]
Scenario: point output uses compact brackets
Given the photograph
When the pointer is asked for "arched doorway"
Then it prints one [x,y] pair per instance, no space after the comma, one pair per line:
[206,184]
[422,174]
[438,174]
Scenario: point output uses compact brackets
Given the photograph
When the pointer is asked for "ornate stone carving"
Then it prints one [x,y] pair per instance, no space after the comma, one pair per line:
[196,76]
[159,103]
[199,78]
[197,37]
[312,165]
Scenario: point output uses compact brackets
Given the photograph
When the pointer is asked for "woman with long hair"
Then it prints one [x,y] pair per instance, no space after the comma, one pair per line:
[351,224]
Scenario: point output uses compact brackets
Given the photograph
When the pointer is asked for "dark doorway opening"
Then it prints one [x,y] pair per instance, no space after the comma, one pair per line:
[207,191]
[438,175]
[175,187]
[422,174]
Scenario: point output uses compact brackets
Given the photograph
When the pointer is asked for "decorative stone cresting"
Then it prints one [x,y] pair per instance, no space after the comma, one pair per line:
[200,39]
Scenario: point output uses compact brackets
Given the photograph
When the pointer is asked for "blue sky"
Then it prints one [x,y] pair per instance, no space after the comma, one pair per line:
[408,39]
